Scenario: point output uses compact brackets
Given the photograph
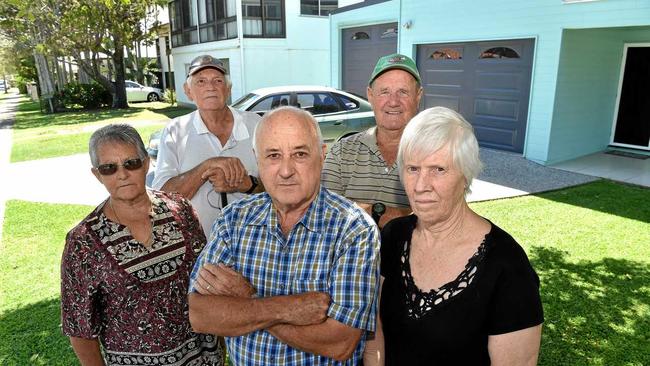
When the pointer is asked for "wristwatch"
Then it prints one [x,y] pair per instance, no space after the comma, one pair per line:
[254,185]
[378,209]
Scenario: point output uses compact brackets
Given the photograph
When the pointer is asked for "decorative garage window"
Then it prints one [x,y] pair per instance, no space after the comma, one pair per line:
[447,54]
[389,33]
[499,52]
[360,35]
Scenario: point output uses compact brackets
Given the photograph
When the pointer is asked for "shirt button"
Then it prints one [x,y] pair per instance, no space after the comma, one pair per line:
[281,287]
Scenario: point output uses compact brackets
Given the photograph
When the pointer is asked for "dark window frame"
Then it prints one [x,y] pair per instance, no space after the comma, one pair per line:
[264,18]
[319,8]
[184,30]
[217,18]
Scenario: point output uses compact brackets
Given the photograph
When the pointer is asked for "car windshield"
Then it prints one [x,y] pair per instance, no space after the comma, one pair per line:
[244,100]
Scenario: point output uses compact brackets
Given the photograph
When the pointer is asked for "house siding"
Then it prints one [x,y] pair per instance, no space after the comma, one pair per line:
[550,133]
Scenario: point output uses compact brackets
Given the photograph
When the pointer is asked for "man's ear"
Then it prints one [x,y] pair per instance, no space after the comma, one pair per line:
[187,91]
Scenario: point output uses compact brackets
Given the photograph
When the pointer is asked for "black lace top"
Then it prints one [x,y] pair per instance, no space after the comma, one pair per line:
[496,293]
[418,302]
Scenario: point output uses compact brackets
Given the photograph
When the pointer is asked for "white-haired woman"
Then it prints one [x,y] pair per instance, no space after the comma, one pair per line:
[125,268]
[456,288]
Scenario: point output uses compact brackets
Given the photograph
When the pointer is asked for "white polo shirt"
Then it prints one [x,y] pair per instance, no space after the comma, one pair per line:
[186,142]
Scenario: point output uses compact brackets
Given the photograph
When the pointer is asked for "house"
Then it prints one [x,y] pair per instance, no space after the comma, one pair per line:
[263,42]
[550,79]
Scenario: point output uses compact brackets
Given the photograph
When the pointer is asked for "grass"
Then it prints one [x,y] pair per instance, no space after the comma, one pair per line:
[38,136]
[589,245]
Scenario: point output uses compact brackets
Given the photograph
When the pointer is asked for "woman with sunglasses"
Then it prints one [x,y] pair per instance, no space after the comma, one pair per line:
[125,267]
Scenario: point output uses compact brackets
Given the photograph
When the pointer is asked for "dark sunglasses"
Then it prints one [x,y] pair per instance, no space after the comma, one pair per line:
[111,168]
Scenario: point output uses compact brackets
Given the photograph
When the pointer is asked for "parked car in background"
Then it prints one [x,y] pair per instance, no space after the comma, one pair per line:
[2,85]
[339,114]
[140,93]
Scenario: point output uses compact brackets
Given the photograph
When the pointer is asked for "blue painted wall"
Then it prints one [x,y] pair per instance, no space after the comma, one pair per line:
[438,21]
[587,86]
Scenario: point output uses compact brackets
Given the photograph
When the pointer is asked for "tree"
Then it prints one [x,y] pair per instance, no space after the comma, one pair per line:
[91,31]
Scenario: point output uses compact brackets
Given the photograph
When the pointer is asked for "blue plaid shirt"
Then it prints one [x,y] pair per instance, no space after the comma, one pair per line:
[334,248]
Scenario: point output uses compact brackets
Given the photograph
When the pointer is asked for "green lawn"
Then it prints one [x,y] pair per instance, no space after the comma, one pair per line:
[589,245]
[38,136]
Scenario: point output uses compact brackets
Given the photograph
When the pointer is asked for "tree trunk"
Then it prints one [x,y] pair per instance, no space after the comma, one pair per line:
[119,98]
[44,76]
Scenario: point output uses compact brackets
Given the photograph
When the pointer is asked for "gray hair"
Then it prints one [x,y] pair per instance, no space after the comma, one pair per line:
[188,81]
[120,133]
[292,110]
[435,128]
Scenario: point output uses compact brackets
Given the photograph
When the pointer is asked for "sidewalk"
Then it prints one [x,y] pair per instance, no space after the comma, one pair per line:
[7,111]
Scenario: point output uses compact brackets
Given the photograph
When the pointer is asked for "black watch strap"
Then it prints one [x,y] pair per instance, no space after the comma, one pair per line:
[253,185]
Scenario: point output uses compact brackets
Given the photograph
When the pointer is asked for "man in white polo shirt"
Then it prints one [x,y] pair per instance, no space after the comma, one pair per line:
[207,155]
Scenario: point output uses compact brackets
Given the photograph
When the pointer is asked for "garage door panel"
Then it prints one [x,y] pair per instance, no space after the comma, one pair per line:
[362,47]
[448,101]
[498,82]
[496,138]
[504,110]
[487,82]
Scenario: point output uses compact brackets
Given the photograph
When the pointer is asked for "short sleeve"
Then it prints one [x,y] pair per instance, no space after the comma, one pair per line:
[167,162]
[192,225]
[354,281]
[216,251]
[516,303]
[79,288]
[331,175]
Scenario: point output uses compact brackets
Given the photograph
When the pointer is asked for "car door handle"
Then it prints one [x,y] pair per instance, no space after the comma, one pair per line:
[338,123]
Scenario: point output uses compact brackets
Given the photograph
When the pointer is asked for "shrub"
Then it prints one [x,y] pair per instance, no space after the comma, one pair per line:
[170,96]
[88,96]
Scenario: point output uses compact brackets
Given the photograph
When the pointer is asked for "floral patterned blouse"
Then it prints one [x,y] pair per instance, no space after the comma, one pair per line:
[131,297]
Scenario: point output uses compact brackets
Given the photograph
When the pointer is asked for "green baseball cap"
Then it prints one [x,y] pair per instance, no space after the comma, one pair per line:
[395,61]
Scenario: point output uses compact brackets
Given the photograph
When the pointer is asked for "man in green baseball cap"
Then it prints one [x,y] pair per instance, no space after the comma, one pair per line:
[363,167]
[395,61]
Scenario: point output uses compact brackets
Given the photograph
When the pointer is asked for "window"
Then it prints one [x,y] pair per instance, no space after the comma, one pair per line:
[447,54]
[182,15]
[318,7]
[270,102]
[318,103]
[263,18]
[360,35]
[348,103]
[217,20]
[499,52]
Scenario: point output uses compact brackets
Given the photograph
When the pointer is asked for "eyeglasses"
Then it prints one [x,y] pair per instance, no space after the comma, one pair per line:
[111,168]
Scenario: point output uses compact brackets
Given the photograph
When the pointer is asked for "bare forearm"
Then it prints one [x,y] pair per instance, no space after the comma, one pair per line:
[87,351]
[233,316]
[330,339]
[187,184]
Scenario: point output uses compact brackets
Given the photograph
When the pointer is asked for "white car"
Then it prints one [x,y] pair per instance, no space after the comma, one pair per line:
[339,113]
[139,93]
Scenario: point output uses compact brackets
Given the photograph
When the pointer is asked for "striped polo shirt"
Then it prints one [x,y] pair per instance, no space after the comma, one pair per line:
[355,169]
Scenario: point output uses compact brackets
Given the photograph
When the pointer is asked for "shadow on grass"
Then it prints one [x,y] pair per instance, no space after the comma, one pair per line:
[623,200]
[31,116]
[31,335]
[597,313]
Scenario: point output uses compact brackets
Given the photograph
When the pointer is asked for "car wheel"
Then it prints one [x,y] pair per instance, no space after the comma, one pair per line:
[153,97]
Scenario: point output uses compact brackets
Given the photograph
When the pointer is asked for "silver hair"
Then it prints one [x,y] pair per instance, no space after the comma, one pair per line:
[120,133]
[188,81]
[435,128]
[287,109]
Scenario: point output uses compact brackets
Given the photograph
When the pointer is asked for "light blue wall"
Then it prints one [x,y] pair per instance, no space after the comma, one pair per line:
[437,21]
[588,81]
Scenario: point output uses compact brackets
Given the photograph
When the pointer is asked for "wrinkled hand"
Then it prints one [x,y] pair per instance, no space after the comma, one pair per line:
[226,174]
[223,280]
[310,309]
